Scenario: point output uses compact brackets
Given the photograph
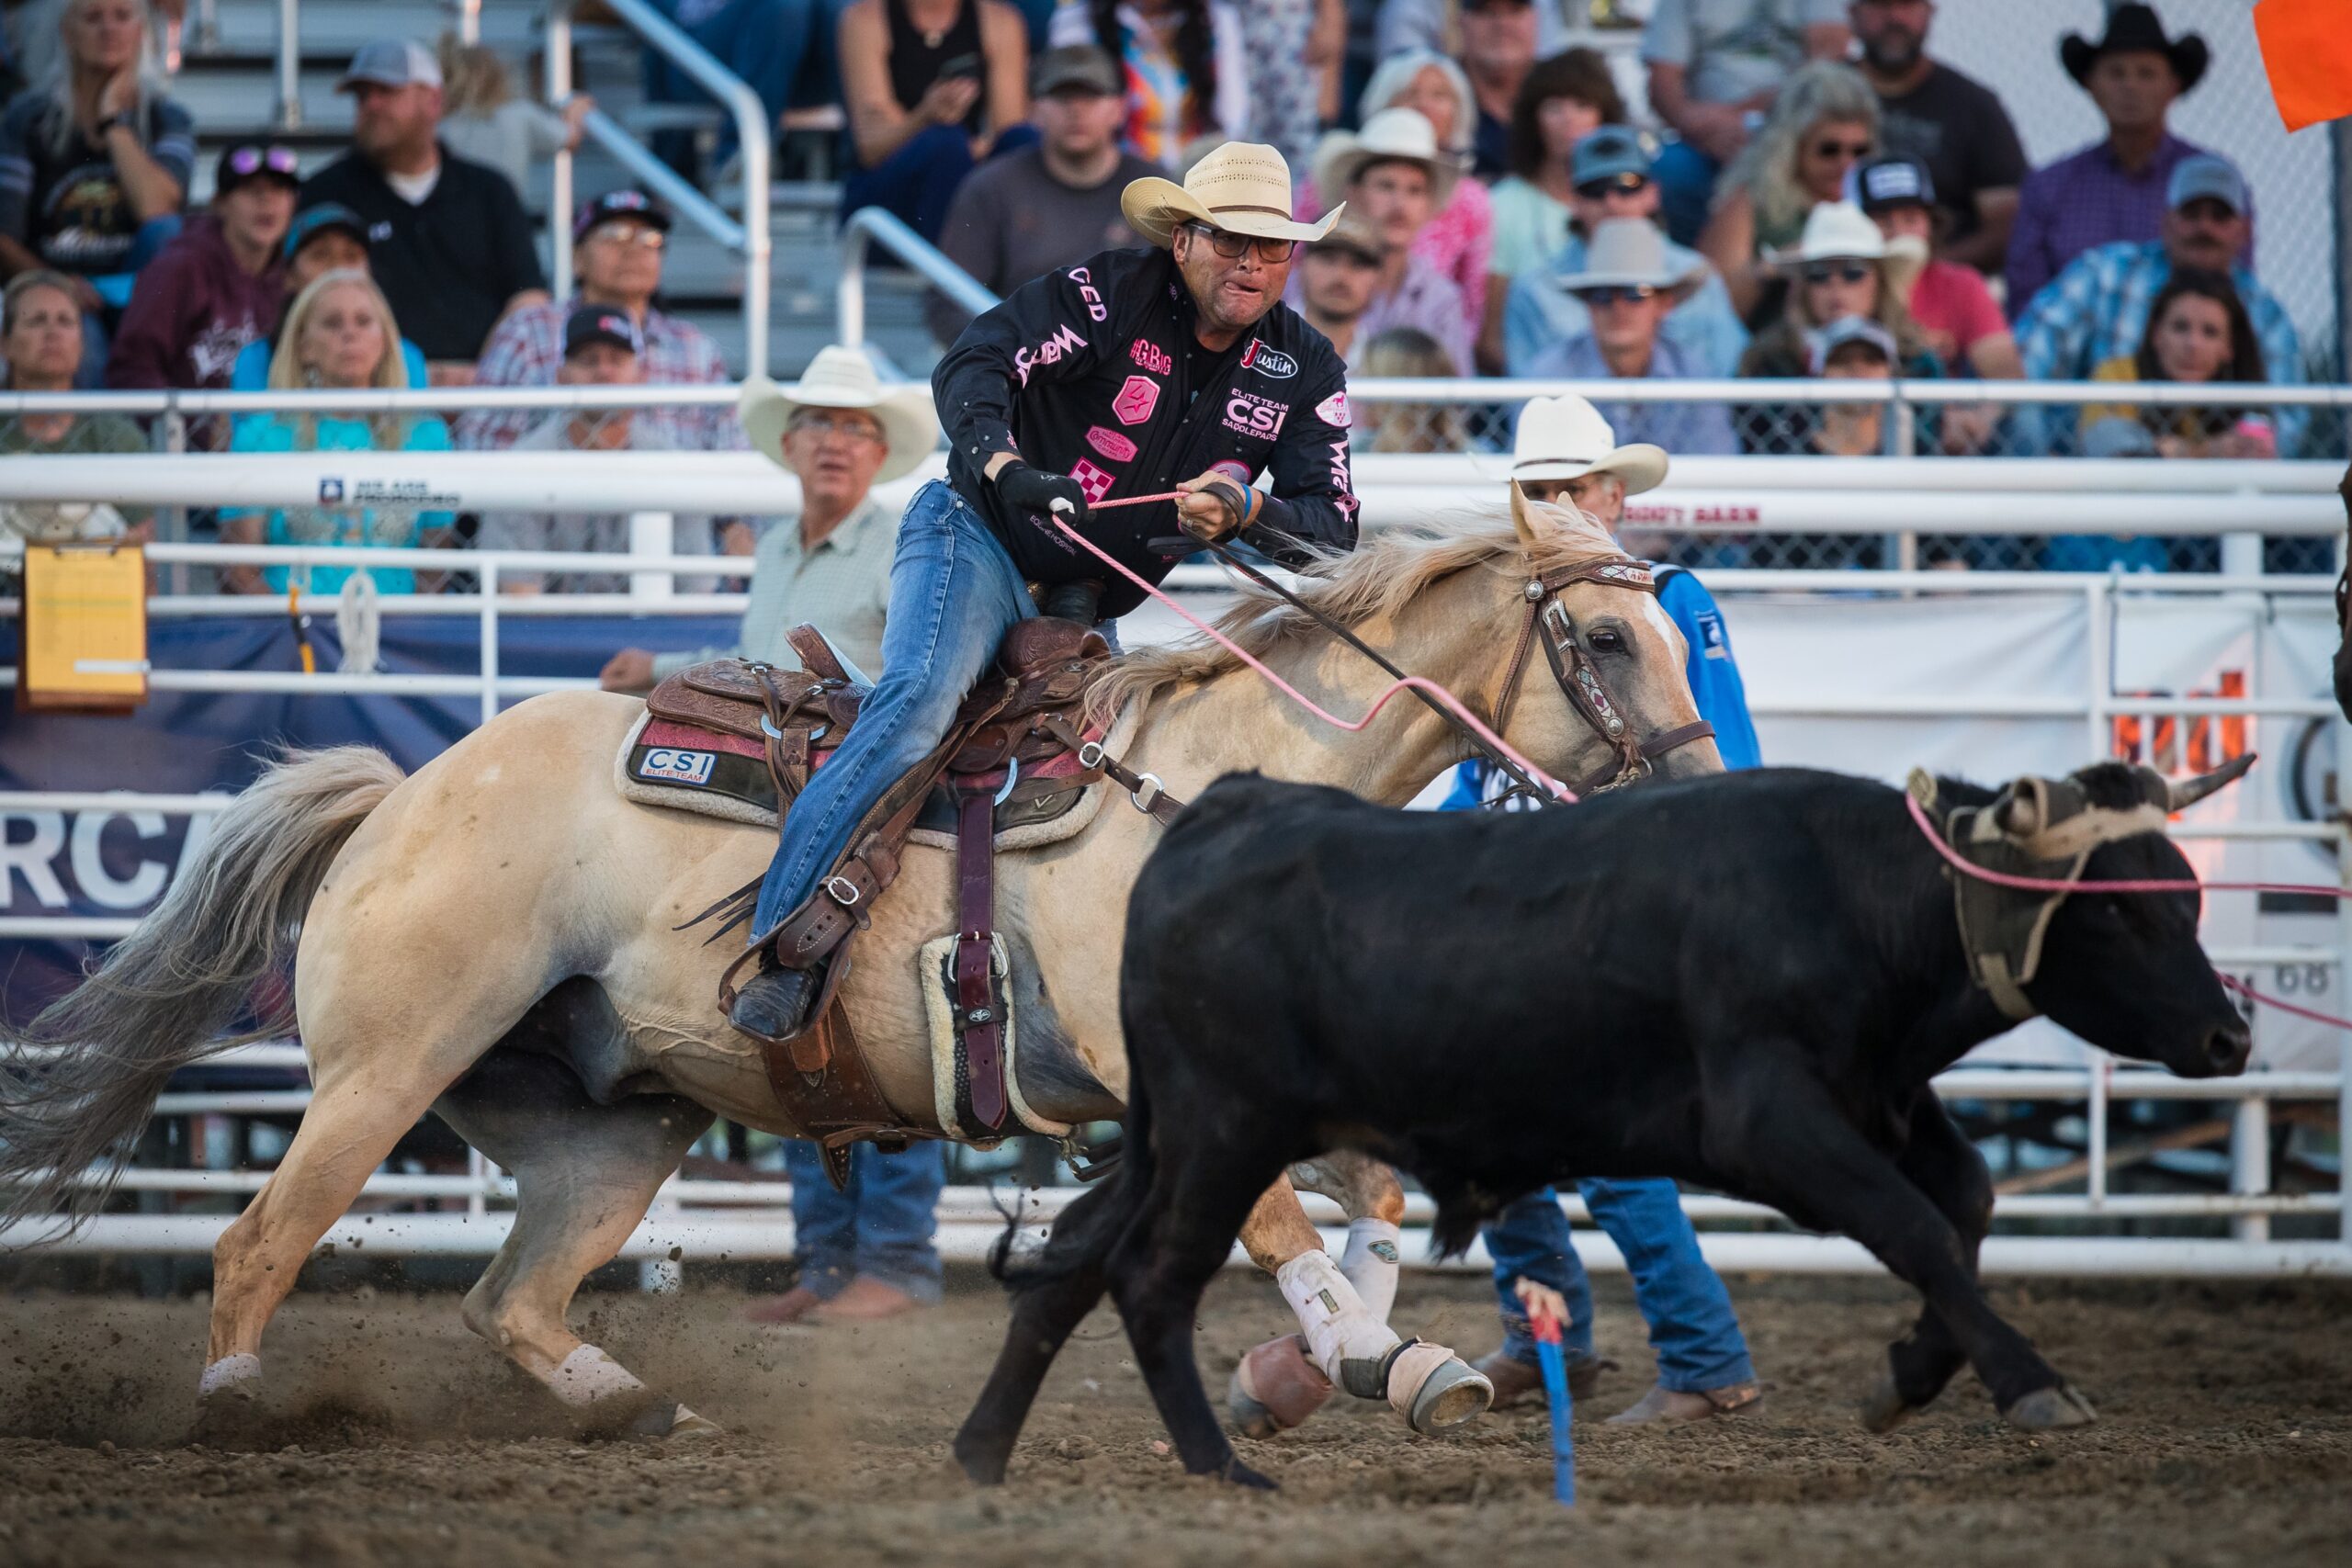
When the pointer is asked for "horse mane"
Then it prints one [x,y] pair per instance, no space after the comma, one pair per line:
[1351,587]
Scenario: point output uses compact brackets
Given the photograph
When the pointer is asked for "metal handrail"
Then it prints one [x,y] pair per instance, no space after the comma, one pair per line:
[749,240]
[290,64]
[870,225]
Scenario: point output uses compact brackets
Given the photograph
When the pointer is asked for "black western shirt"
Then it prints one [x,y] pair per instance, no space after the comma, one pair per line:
[1093,371]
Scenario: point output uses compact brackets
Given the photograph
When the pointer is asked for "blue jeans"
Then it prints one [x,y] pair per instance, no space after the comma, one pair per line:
[1692,1327]
[954,594]
[881,1227]
[1686,188]
[916,183]
[768,43]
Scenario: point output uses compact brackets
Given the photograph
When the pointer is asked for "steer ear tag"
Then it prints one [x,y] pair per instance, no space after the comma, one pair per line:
[1922,786]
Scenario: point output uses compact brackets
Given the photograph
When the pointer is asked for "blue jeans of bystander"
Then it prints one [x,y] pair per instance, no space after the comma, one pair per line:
[881,1227]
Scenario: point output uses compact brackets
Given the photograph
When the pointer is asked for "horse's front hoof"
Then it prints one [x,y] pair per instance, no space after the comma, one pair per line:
[1275,1388]
[232,1418]
[1437,1390]
[1885,1408]
[2050,1410]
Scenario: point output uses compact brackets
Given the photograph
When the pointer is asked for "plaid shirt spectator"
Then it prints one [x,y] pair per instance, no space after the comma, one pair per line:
[2084,201]
[527,348]
[2098,310]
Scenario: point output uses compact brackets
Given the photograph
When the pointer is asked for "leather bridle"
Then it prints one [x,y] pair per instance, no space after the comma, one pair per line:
[1548,621]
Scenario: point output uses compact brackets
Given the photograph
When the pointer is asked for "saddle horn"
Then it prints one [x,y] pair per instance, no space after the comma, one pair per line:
[2180,796]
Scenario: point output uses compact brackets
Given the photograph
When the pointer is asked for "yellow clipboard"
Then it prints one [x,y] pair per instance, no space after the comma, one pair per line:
[85,628]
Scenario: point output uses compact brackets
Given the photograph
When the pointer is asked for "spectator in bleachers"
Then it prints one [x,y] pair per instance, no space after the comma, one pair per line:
[1611,169]
[600,349]
[1186,65]
[1337,275]
[94,162]
[1396,176]
[1952,124]
[1293,48]
[1459,240]
[1498,51]
[217,288]
[483,121]
[1841,267]
[1850,348]
[327,238]
[448,241]
[840,431]
[1401,353]
[1823,123]
[619,240]
[2114,189]
[932,87]
[1628,285]
[340,332]
[41,344]
[772,44]
[2097,310]
[1715,67]
[2198,331]
[1564,100]
[1955,309]
[1051,206]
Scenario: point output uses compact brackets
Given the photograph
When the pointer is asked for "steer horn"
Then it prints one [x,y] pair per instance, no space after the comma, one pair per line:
[2182,795]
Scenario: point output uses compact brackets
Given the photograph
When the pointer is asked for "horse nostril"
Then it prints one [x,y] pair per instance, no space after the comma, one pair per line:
[2228,1047]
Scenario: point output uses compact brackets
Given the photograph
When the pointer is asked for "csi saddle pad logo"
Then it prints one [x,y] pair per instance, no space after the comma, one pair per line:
[1136,400]
[669,764]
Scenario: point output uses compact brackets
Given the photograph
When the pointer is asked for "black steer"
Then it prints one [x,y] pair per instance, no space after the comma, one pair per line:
[1744,982]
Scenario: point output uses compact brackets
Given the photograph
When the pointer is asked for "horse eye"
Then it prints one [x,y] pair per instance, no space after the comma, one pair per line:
[1606,641]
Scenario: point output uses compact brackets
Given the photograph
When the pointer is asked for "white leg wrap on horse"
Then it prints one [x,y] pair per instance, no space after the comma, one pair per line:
[227,1373]
[1370,1264]
[588,1375]
[1337,1327]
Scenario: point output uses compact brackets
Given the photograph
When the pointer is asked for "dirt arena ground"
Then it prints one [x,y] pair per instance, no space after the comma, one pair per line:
[2226,1437]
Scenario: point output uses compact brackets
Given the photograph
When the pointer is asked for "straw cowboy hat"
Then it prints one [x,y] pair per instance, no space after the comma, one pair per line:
[1390,135]
[1566,438]
[1630,253]
[843,378]
[1242,188]
[1839,230]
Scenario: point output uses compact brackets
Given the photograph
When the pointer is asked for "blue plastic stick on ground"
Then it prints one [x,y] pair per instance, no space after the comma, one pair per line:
[1555,1390]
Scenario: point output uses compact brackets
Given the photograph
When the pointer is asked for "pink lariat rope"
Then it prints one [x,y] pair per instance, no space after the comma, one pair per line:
[2052,885]
[1417,682]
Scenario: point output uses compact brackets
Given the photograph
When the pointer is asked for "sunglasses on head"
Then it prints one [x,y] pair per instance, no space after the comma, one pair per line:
[246,161]
[1232,247]
[1616,294]
[1837,271]
[1626,184]
[1841,149]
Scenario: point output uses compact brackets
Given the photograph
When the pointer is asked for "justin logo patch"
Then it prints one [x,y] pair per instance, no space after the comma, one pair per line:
[1271,363]
[1093,481]
[1136,400]
[1111,444]
[667,764]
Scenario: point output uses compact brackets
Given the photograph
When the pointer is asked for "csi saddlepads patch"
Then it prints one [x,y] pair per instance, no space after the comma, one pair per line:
[668,764]
[1246,413]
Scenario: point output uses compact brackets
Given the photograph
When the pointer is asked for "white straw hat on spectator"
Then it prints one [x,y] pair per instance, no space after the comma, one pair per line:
[1841,230]
[1398,133]
[843,378]
[1242,188]
[1630,253]
[1566,438]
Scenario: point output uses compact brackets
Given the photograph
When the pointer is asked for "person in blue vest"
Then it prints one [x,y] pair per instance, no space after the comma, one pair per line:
[1565,453]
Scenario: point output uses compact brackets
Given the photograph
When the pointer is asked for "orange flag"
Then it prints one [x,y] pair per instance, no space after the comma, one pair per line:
[2307,50]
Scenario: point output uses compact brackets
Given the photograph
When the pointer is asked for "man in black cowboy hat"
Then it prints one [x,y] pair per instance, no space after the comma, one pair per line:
[2113,190]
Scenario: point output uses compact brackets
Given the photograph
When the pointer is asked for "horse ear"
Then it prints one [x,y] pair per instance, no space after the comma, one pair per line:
[2189,792]
[1523,519]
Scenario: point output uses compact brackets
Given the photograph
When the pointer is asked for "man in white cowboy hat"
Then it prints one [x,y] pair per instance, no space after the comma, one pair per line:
[1394,173]
[1175,367]
[840,431]
[1567,454]
[1628,285]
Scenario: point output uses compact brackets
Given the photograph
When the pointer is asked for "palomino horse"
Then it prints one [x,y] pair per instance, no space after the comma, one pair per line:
[496,939]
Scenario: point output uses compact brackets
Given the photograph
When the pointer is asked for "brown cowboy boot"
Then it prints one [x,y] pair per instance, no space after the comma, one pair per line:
[1515,1380]
[1663,1403]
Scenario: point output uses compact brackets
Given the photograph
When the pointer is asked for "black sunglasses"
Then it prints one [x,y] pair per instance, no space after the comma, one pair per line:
[1233,246]
[1616,293]
[1628,184]
[1841,149]
[1837,271]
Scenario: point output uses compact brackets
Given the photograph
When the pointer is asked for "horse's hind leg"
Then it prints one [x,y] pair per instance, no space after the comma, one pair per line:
[584,1174]
[1374,1200]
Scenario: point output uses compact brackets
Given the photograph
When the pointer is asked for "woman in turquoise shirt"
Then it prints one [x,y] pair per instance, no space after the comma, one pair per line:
[339,333]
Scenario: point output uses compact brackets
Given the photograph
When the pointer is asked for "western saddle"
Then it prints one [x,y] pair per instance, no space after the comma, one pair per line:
[1016,750]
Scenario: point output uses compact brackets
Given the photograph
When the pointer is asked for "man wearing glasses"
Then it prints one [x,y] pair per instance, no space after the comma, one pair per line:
[1172,367]
[216,287]
[1611,170]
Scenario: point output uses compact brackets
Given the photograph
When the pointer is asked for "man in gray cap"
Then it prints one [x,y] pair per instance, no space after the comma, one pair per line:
[2096,309]
[1046,206]
[448,240]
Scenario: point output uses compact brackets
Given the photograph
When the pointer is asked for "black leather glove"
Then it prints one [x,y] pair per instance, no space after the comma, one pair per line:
[1033,489]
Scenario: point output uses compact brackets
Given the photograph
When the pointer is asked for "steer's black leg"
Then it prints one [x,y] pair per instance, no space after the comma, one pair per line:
[1943,1164]
[1785,1140]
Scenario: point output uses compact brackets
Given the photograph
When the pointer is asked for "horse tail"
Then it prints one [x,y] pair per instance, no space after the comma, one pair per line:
[1084,1233]
[85,1079]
